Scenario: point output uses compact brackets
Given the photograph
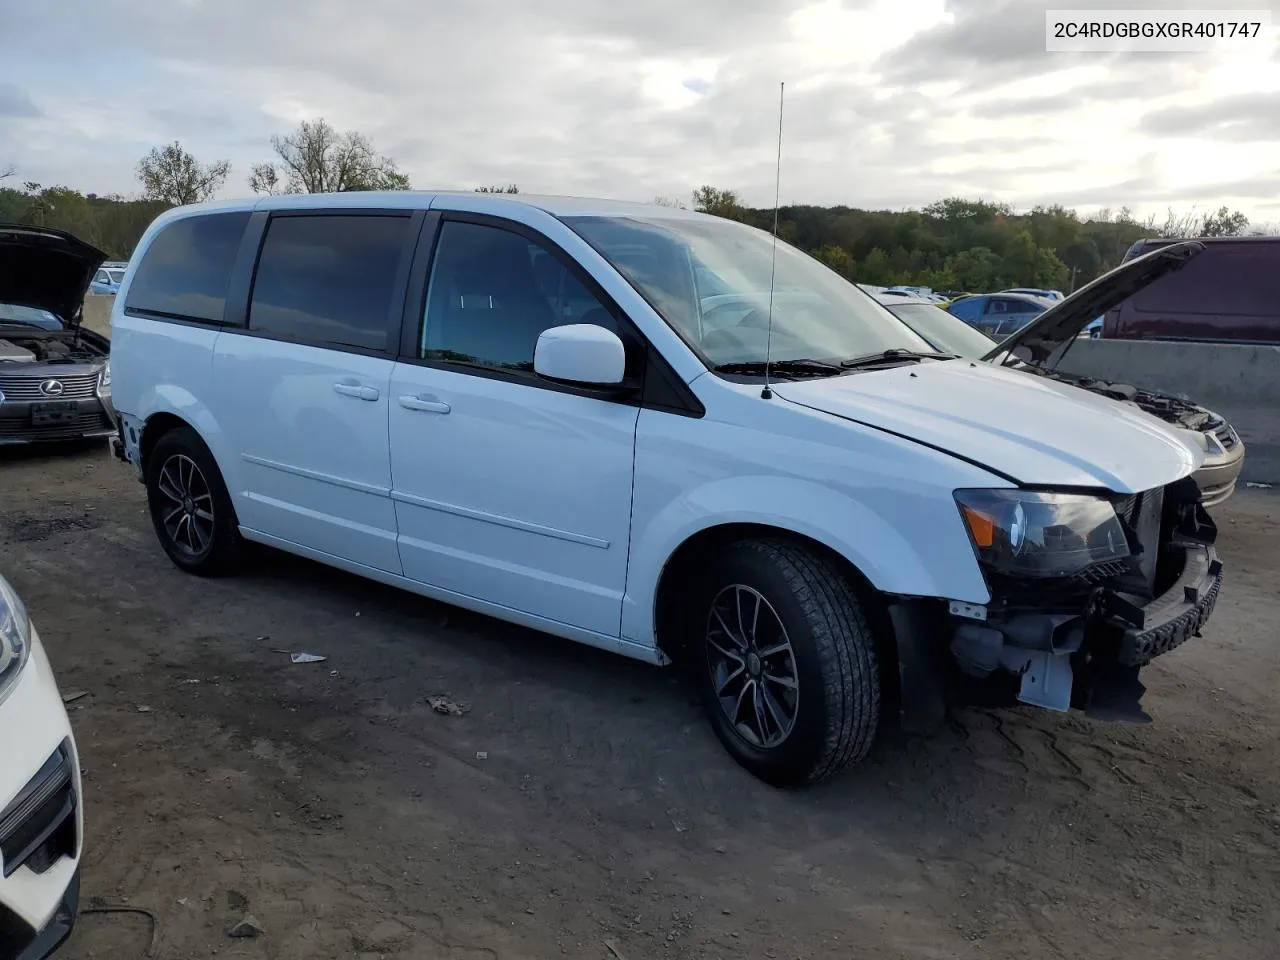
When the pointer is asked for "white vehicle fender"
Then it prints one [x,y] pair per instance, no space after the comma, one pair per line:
[937,559]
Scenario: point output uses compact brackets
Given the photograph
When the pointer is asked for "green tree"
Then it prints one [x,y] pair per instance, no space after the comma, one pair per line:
[837,258]
[509,188]
[171,175]
[721,203]
[1225,223]
[874,269]
[975,270]
[316,158]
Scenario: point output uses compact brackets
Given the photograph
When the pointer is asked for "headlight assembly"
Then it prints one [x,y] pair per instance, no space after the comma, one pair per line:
[1023,533]
[104,379]
[15,638]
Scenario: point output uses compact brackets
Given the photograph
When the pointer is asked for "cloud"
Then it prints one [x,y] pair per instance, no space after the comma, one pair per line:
[16,102]
[1243,117]
[889,103]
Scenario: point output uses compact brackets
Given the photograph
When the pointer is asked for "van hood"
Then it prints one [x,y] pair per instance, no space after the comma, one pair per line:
[1031,430]
[48,269]
[1062,322]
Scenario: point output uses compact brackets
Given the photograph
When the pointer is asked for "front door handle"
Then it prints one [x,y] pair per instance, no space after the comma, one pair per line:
[426,404]
[356,390]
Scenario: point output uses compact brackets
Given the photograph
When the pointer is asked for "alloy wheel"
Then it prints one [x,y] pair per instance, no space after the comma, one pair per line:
[752,665]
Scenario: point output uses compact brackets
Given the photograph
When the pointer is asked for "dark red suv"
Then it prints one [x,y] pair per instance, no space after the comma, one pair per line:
[1230,293]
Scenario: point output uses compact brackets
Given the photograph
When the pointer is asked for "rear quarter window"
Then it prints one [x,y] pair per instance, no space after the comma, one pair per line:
[186,270]
[1225,280]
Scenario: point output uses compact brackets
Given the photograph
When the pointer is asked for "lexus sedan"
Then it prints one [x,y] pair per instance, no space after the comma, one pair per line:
[55,376]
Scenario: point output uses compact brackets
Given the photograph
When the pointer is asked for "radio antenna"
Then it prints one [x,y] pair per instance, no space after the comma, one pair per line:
[766,393]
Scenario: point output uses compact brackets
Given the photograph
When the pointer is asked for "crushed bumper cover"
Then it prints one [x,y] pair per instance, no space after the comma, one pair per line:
[1178,614]
[1088,660]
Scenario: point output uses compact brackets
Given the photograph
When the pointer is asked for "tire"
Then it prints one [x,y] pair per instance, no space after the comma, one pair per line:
[183,483]
[831,660]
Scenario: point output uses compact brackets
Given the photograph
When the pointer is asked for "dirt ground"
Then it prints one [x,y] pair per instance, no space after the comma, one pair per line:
[582,807]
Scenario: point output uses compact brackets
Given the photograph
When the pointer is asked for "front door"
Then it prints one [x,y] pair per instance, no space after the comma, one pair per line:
[302,394]
[508,489]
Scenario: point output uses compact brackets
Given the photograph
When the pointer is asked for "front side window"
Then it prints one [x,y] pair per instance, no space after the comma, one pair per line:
[329,280]
[491,294]
[710,280]
[186,269]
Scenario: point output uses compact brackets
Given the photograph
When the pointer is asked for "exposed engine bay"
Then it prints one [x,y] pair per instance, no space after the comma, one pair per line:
[44,346]
[1180,413]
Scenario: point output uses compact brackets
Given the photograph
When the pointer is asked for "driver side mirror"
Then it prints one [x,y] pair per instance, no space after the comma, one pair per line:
[581,353]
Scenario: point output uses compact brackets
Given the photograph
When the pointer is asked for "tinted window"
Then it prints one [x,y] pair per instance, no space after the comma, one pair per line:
[967,309]
[187,268]
[1227,279]
[329,280]
[492,292]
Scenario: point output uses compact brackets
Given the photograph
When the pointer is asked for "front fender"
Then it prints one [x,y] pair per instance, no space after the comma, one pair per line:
[904,542]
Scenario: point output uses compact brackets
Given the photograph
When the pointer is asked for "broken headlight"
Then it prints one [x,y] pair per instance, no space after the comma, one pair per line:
[1023,533]
[15,638]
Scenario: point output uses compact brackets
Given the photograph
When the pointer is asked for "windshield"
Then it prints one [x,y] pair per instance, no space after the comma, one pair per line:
[944,331]
[117,276]
[709,279]
[29,316]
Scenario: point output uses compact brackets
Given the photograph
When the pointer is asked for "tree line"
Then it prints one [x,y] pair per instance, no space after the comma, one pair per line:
[953,244]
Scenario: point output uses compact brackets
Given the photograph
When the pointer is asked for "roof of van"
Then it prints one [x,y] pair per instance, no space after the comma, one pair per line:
[1147,244]
[422,199]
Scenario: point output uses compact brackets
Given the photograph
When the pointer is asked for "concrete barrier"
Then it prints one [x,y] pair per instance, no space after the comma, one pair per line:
[1242,383]
[97,313]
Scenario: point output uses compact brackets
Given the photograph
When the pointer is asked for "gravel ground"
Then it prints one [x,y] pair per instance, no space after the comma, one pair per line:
[580,806]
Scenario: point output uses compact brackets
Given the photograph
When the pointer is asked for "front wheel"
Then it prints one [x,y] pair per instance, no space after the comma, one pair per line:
[190,507]
[784,661]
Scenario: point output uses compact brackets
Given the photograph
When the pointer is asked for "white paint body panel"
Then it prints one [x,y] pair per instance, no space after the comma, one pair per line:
[517,495]
[309,429]
[34,712]
[1037,431]
[560,512]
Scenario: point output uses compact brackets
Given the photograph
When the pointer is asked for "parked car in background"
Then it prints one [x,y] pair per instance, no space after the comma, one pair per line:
[107,280]
[55,376]
[944,331]
[1094,329]
[780,484]
[41,807]
[999,314]
[1227,295]
[1040,292]
[1054,331]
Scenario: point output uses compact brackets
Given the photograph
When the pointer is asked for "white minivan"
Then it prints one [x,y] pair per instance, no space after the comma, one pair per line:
[655,432]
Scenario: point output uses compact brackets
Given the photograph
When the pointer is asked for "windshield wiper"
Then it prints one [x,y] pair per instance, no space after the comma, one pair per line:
[895,353]
[797,368]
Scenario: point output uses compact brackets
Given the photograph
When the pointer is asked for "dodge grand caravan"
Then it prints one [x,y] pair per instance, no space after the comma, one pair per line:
[619,424]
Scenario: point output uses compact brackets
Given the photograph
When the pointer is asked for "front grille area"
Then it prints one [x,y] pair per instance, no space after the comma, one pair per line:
[39,827]
[1226,436]
[21,429]
[27,388]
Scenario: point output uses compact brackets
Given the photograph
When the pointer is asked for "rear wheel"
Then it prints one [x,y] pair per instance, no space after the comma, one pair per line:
[784,662]
[190,507]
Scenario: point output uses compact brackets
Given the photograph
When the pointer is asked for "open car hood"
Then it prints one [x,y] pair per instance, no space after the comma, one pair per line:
[1061,323]
[45,268]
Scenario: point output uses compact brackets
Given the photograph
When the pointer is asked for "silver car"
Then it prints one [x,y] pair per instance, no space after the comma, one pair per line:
[55,376]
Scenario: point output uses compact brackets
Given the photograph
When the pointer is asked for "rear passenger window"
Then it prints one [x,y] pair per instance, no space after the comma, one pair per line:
[492,292]
[329,281]
[186,270]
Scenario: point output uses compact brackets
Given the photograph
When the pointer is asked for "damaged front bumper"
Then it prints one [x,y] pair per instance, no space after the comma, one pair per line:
[1085,655]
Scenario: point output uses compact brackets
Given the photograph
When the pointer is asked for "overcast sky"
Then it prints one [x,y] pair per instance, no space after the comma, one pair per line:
[890,103]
